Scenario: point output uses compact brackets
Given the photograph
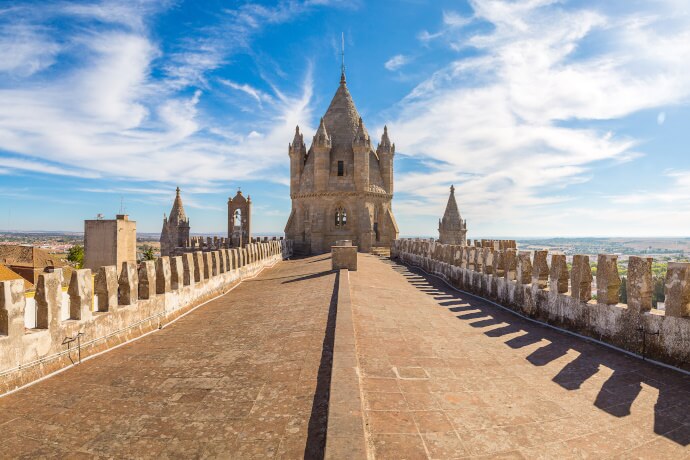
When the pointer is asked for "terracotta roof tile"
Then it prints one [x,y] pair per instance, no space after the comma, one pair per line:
[7,274]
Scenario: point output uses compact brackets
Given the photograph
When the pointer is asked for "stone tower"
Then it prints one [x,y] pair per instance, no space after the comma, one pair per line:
[341,188]
[109,242]
[452,229]
[239,219]
[175,231]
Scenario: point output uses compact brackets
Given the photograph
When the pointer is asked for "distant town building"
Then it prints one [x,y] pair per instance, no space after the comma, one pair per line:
[451,228]
[29,261]
[239,219]
[109,242]
[175,231]
[341,188]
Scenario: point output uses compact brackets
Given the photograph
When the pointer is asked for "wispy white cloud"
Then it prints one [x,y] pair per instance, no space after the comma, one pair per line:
[499,122]
[107,114]
[25,50]
[396,62]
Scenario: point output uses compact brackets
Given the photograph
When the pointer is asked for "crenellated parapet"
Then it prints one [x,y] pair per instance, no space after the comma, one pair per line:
[103,310]
[547,288]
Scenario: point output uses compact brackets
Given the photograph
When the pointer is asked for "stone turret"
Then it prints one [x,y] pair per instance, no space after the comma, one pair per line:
[451,228]
[386,152]
[342,189]
[175,232]
[361,146]
[321,149]
[298,152]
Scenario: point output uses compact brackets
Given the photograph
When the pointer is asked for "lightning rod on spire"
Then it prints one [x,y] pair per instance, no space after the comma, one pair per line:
[342,52]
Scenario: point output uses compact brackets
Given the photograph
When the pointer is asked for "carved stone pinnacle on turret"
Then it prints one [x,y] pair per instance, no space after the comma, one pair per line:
[321,138]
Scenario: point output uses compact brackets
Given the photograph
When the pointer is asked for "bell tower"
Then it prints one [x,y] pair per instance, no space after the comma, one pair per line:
[239,219]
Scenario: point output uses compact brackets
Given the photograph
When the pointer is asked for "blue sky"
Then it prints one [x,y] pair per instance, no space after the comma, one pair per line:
[552,118]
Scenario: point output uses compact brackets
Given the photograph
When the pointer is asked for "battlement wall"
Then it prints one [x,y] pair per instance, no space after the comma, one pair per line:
[52,329]
[211,243]
[541,286]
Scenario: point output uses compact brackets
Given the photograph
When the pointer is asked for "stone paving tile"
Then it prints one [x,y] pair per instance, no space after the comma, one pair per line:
[448,376]
[236,378]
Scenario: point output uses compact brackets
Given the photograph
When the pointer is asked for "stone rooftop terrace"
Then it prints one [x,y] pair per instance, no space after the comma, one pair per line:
[441,376]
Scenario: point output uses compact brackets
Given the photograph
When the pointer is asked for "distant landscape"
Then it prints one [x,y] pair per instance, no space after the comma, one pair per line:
[661,249]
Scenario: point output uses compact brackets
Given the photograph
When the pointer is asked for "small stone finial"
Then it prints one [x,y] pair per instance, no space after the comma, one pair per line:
[321,137]
[361,137]
[177,191]
[452,189]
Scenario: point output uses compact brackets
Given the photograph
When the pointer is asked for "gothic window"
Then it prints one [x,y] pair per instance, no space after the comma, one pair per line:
[341,168]
[340,217]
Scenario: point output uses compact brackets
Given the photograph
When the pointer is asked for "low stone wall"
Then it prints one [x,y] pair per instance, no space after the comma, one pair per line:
[104,310]
[345,435]
[541,286]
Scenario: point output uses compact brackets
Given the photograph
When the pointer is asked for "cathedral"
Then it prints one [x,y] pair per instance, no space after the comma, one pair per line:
[341,188]
[451,228]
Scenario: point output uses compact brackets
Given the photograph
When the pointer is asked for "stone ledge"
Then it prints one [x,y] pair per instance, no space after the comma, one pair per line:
[345,435]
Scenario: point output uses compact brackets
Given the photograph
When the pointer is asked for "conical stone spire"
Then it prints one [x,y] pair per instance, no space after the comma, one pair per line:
[342,118]
[452,229]
[177,213]
[451,218]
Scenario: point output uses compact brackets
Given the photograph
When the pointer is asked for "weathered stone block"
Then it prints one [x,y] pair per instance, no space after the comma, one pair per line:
[640,284]
[227,260]
[48,299]
[105,285]
[558,275]
[608,280]
[147,279]
[478,260]
[214,263]
[499,264]
[208,265]
[678,289]
[163,275]
[198,266]
[459,255]
[80,293]
[540,269]
[524,267]
[128,284]
[188,269]
[344,257]
[488,262]
[471,251]
[509,264]
[12,307]
[176,273]
[581,278]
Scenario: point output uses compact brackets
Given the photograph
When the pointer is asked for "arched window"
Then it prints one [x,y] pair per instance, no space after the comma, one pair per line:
[238,218]
[340,217]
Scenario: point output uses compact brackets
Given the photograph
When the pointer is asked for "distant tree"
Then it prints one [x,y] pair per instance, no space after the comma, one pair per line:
[76,255]
[624,290]
[147,252]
